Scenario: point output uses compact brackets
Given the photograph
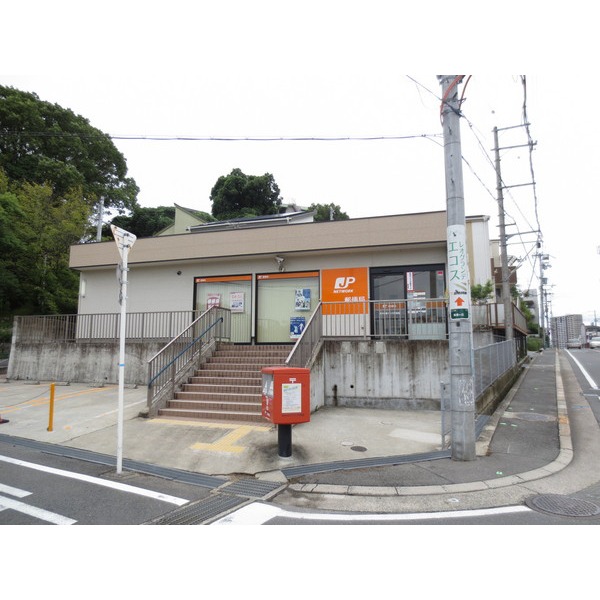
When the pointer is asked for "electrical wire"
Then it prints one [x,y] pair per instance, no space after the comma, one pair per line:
[190,138]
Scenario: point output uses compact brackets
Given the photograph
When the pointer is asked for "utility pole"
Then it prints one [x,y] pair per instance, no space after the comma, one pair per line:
[460,327]
[506,296]
[100,219]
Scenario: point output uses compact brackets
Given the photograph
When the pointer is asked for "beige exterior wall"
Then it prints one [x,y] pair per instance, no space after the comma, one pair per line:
[162,269]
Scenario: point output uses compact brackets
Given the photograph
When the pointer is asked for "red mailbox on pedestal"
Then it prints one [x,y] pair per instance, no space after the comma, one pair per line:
[285,401]
[286,395]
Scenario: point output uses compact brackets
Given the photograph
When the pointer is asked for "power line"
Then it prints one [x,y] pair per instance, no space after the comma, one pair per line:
[191,138]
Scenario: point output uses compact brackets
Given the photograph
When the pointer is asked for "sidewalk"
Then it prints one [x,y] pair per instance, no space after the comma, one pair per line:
[526,448]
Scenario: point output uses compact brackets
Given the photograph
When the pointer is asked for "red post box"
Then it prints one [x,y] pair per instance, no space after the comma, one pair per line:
[286,395]
[285,401]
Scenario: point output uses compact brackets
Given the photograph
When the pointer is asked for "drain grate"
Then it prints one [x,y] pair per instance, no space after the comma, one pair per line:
[566,506]
[202,511]
[190,477]
[363,463]
[251,488]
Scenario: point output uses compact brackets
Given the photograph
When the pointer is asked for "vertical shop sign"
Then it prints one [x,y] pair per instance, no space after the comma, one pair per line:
[459,294]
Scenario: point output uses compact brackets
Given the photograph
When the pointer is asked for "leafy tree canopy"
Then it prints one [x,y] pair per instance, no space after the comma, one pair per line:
[481,293]
[143,222]
[43,143]
[328,212]
[36,232]
[239,195]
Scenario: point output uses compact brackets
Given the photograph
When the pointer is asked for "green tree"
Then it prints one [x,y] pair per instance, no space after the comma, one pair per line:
[43,143]
[143,222]
[328,212]
[36,232]
[239,195]
[11,246]
[481,293]
[50,228]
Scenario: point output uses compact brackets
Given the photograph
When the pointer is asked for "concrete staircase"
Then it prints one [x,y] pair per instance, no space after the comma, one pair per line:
[228,386]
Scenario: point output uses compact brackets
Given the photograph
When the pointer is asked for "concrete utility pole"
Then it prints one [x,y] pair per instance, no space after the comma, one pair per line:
[506,296]
[460,327]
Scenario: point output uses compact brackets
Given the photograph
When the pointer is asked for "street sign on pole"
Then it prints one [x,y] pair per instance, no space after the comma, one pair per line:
[125,241]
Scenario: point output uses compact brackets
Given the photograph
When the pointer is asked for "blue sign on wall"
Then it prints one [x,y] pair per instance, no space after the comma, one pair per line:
[296,326]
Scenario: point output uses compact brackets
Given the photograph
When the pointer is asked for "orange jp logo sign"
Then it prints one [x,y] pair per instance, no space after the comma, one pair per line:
[349,286]
[343,283]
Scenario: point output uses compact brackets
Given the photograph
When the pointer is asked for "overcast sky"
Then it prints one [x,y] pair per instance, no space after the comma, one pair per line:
[325,70]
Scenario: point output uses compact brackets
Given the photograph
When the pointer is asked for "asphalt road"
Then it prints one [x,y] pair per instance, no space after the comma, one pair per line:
[38,488]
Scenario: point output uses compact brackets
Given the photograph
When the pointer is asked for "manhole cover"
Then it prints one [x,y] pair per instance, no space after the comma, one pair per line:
[563,505]
[358,449]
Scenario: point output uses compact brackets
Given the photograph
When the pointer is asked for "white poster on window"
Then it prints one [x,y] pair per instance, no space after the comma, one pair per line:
[302,299]
[236,302]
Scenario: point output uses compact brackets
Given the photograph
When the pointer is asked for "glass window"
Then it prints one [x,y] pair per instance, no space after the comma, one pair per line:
[284,305]
[232,292]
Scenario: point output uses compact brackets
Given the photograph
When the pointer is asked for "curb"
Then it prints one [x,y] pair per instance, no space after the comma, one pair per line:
[564,458]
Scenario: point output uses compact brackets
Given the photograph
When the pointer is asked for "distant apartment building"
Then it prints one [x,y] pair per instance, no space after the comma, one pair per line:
[566,328]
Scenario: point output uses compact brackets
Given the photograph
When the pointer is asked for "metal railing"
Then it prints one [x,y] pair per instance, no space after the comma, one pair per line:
[171,365]
[491,362]
[422,318]
[102,327]
[309,343]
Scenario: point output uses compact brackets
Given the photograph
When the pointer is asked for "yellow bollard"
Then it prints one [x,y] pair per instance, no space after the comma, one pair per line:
[51,419]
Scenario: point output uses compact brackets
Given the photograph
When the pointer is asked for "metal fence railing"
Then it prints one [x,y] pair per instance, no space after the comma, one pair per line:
[491,362]
[171,365]
[421,318]
[101,327]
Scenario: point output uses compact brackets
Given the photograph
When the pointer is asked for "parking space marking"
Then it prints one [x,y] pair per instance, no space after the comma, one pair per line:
[43,400]
[226,443]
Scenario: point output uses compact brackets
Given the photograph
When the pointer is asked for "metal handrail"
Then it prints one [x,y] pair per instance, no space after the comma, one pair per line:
[220,320]
[173,363]
[310,340]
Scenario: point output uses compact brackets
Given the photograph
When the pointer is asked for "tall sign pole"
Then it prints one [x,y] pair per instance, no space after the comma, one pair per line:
[125,241]
[460,327]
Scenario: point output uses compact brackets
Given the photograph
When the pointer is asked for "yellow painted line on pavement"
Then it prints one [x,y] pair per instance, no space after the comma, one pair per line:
[41,401]
[227,443]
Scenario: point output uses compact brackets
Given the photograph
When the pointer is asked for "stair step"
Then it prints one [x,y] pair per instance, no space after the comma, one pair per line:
[227,387]
[217,404]
[202,379]
[221,388]
[256,397]
[213,415]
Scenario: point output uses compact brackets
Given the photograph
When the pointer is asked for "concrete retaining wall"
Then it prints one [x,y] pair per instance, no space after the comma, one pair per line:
[391,374]
[397,374]
[81,362]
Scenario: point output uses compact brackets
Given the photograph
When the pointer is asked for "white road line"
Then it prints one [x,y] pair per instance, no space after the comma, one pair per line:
[33,511]
[585,373]
[12,491]
[115,485]
[258,514]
